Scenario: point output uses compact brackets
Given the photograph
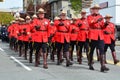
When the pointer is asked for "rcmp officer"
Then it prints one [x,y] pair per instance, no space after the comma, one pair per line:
[19,34]
[96,24]
[73,36]
[41,37]
[11,34]
[109,37]
[31,38]
[63,38]
[82,23]
[52,31]
[26,34]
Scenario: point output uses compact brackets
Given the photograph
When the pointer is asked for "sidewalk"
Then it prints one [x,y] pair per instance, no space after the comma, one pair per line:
[117,43]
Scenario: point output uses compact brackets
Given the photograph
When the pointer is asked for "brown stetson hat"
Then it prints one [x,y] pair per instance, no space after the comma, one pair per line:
[108,16]
[41,10]
[96,6]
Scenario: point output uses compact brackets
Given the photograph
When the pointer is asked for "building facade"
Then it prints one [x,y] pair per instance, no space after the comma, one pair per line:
[58,5]
[26,3]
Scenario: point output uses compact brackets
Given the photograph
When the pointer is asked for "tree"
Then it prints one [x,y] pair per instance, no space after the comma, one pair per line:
[76,5]
[5,18]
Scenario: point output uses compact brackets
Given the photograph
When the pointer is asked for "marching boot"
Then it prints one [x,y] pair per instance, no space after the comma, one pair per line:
[105,58]
[59,58]
[115,58]
[68,63]
[77,55]
[30,57]
[39,58]
[36,60]
[98,55]
[45,66]
[25,55]
[87,56]
[20,51]
[71,55]
[80,58]
[102,61]
[90,63]
[52,56]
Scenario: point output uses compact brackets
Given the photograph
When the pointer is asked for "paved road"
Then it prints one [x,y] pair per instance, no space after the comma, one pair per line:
[13,67]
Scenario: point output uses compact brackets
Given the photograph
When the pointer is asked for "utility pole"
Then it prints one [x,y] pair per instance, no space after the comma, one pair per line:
[35,5]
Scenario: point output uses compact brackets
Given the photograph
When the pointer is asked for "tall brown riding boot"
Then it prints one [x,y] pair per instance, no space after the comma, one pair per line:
[80,58]
[59,58]
[102,61]
[115,58]
[20,51]
[71,55]
[77,52]
[36,60]
[25,55]
[98,54]
[90,63]
[68,63]
[105,58]
[30,57]
[45,66]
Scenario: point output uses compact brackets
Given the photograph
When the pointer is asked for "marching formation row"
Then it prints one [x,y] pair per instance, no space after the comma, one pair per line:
[89,31]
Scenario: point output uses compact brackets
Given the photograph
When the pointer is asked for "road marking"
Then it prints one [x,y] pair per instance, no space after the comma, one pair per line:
[95,58]
[24,66]
[108,61]
[2,49]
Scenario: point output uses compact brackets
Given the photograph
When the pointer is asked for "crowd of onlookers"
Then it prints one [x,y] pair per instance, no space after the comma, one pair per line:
[4,33]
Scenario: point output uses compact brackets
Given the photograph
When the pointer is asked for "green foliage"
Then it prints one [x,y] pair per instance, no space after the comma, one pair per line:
[5,18]
[76,5]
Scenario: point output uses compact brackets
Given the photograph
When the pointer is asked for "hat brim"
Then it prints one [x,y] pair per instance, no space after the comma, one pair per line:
[62,13]
[83,12]
[96,8]
[107,17]
[41,12]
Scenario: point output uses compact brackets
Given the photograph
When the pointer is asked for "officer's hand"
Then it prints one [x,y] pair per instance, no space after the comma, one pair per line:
[37,28]
[30,38]
[24,33]
[19,34]
[105,32]
[100,19]
[106,24]
[79,24]
[61,24]
[24,29]
[73,30]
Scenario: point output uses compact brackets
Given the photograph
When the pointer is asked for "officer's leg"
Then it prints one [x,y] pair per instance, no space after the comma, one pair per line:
[12,43]
[87,48]
[37,48]
[26,49]
[20,43]
[112,47]
[66,53]
[44,51]
[93,44]
[98,54]
[72,43]
[81,44]
[105,50]
[15,45]
[59,48]
[102,57]
[31,52]
[77,51]
[53,52]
